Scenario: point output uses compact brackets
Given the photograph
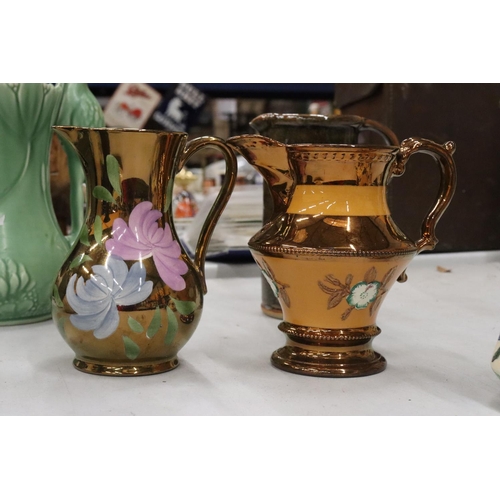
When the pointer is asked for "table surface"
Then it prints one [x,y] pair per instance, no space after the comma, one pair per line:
[439,331]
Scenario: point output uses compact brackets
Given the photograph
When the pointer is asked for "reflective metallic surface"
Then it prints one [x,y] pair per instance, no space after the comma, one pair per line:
[129,297]
[331,251]
[292,128]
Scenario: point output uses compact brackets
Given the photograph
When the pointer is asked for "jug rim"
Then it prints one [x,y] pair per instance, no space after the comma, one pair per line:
[118,129]
[316,147]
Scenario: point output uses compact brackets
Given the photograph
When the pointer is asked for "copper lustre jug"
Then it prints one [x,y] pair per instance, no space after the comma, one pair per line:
[331,251]
[129,297]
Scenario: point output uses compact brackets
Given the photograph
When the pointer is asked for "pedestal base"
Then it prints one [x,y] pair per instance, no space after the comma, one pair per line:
[329,353]
[121,370]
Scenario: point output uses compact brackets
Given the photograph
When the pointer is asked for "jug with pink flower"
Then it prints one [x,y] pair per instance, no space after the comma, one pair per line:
[129,298]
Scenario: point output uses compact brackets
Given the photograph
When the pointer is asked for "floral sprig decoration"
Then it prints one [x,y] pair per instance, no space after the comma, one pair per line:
[278,288]
[368,292]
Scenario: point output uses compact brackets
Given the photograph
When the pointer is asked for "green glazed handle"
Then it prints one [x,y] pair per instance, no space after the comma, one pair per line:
[78,107]
[443,156]
[221,200]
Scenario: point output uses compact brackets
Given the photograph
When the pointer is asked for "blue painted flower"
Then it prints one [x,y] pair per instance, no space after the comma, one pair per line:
[95,301]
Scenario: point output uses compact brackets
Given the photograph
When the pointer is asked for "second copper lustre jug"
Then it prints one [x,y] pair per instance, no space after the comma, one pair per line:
[331,251]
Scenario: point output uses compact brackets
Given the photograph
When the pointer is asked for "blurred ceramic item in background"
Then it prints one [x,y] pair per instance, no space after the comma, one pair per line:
[185,205]
[331,251]
[241,219]
[292,128]
[32,246]
[128,298]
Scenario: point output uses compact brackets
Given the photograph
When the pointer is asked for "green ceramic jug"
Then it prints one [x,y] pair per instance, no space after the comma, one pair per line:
[32,247]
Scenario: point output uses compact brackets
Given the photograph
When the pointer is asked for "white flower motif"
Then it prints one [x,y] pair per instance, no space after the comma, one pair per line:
[362,294]
[95,301]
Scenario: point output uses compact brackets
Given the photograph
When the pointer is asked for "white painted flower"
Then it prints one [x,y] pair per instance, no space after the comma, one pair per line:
[362,294]
[95,301]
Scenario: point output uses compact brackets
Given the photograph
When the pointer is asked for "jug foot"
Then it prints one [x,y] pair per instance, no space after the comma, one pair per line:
[120,370]
[325,352]
[309,361]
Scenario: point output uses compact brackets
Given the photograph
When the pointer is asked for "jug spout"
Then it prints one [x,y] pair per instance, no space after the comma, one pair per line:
[270,159]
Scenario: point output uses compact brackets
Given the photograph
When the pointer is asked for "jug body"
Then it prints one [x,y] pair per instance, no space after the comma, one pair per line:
[129,298]
[332,252]
[293,128]
[32,246]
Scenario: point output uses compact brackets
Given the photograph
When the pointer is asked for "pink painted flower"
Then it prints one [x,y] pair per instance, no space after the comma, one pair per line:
[143,238]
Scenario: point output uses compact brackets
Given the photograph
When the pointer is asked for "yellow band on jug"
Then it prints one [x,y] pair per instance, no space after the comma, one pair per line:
[339,200]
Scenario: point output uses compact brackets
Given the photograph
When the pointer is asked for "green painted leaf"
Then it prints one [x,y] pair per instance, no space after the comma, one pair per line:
[57,297]
[155,324]
[173,326]
[79,259]
[98,230]
[134,325]
[101,193]
[113,168]
[132,350]
[185,307]
[84,235]
[496,355]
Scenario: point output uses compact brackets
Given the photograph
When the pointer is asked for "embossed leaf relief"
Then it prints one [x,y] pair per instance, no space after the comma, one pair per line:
[26,113]
[366,293]
[278,288]
[17,290]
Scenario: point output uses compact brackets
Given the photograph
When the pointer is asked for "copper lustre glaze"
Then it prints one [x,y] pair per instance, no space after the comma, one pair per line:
[331,251]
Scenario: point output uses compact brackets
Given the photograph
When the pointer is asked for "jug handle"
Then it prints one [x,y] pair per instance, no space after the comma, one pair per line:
[443,156]
[220,201]
[382,130]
